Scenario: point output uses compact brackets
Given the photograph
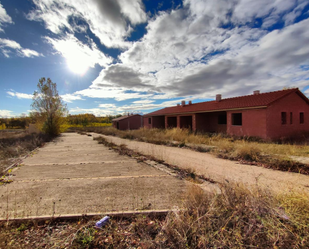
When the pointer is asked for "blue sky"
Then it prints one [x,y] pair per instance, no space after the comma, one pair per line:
[114,56]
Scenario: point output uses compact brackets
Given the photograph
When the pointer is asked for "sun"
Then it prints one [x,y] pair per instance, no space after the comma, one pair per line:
[77,66]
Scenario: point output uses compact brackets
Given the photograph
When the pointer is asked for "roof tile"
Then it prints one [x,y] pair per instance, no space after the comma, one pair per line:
[247,101]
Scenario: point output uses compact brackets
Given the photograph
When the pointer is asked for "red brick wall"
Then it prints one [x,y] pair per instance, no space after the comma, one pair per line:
[208,122]
[291,103]
[146,123]
[130,123]
[253,123]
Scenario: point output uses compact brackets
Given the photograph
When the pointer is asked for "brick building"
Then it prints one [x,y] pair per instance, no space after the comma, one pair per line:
[129,122]
[268,115]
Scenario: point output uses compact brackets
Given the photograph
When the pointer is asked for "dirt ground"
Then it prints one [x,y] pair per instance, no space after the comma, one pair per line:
[76,175]
[220,170]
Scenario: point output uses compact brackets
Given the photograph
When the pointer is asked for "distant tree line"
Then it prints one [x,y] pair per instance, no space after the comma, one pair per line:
[80,119]
[86,119]
[16,123]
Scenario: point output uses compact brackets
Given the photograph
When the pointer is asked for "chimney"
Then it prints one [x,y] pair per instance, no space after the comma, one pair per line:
[256,92]
[178,104]
[190,102]
[183,103]
[218,97]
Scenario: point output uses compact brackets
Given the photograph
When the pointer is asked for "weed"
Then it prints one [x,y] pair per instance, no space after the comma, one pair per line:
[236,217]
[84,237]
[17,145]
[22,227]
[247,149]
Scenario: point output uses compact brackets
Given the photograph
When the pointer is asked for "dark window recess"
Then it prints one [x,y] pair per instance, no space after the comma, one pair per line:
[283,117]
[301,118]
[222,119]
[291,117]
[149,120]
[237,119]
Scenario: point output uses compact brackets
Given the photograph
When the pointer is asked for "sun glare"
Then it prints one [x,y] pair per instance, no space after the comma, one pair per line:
[77,66]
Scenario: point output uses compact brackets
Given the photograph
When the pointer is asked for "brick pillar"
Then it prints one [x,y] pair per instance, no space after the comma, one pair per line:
[178,122]
[165,123]
[193,122]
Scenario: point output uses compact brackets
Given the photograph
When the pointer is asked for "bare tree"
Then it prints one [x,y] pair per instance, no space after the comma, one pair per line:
[48,107]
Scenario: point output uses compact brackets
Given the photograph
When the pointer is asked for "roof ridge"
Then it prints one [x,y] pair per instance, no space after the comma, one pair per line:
[248,95]
[237,97]
[245,101]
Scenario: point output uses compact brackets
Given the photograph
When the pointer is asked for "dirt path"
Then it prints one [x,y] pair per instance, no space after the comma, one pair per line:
[219,169]
[76,175]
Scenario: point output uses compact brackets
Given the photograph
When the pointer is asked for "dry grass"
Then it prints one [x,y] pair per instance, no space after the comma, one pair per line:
[16,144]
[235,218]
[247,150]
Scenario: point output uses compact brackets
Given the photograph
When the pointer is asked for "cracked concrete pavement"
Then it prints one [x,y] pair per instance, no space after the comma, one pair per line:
[76,175]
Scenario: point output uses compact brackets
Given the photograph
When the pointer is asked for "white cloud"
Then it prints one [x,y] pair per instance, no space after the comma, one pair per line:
[107,106]
[111,93]
[19,95]
[70,97]
[65,97]
[109,20]
[8,46]
[187,52]
[112,109]
[30,53]
[95,111]
[6,114]
[78,53]
[4,17]
[145,101]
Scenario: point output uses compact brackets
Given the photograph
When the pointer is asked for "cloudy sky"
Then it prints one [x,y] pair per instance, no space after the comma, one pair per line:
[116,56]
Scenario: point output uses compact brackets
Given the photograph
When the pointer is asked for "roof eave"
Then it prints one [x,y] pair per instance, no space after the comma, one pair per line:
[218,110]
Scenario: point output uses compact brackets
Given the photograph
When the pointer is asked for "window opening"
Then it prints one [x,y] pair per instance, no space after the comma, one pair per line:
[222,119]
[283,117]
[301,118]
[291,117]
[237,119]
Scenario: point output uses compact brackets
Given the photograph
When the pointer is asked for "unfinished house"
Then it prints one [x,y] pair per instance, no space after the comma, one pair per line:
[129,122]
[270,115]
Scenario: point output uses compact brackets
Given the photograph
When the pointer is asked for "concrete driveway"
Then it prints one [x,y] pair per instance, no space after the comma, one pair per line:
[76,175]
[218,169]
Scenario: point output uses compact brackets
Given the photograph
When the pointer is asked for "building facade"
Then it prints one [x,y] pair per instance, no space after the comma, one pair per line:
[129,122]
[270,115]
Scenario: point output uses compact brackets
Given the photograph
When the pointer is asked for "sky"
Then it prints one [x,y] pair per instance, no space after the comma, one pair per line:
[112,57]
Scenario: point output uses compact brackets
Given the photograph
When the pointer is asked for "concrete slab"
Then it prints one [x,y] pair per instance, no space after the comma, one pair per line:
[82,196]
[73,152]
[91,170]
[75,175]
[74,159]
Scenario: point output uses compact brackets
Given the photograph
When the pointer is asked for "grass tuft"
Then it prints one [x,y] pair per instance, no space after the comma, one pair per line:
[14,145]
[247,149]
[236,217]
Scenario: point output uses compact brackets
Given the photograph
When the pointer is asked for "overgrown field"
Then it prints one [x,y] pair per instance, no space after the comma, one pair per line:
[14,144]
[234,218]
[66,126]
[247,150]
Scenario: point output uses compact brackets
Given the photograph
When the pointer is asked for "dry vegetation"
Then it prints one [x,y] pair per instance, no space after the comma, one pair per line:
[248,150]
[17,143]
[234,218]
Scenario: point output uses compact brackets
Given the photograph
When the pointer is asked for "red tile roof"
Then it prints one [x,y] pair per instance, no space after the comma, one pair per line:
[124,117]
[243,102]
